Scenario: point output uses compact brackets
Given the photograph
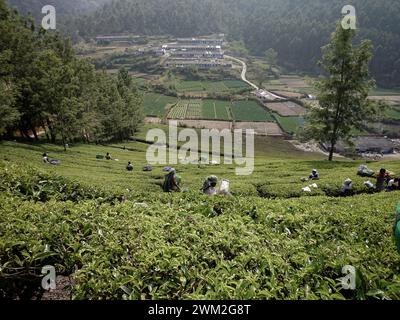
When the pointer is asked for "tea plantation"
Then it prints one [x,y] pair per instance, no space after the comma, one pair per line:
[269,241]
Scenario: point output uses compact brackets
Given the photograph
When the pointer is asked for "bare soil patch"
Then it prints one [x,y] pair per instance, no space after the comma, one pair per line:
[152,120]
[261,128]
[287,108]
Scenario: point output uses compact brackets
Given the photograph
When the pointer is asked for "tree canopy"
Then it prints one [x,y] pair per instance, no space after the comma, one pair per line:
[343,92]
[44,86]
[296,30]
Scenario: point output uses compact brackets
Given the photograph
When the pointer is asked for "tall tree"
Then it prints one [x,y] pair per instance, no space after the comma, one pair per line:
[8,113]
[343,92]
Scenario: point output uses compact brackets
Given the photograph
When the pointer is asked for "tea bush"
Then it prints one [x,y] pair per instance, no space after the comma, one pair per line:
[190,246]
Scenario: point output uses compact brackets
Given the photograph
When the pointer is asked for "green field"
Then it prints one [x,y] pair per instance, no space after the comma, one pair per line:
[393,113]
[179,110]
[154,104]
[289,124]
[216,109]
[269,241]
[225,86]
[250,111]
[385,92]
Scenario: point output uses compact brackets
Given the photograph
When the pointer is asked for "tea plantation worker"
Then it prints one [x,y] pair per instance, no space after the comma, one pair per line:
[393,185]
[381,180]
[129,167]
[347,187]
[314,175]
[209,186]
[45,158]
[108,156]
[171,182]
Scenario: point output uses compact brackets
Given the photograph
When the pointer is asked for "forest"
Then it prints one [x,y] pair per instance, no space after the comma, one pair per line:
[295,29]
[43,84]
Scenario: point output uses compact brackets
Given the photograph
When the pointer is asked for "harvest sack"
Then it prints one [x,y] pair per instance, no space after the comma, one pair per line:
[224,189]
[363,171]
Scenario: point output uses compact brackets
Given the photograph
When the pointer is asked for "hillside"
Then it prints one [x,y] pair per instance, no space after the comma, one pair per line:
[83,213]
[295,29]
[269,241]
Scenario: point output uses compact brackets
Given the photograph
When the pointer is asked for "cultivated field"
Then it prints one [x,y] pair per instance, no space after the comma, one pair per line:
[206,124]
[287,108]
[261,128]
[293,82]
[154,104]
[178,111]
[250,110]
[289,94]
[199,87]
[186,109]
[216,110]
[393,113]
[290,124]
[391,100]
[209,109]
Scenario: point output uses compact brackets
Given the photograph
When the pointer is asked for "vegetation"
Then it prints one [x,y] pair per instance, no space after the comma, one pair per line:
[291,125]
[393,113]
[43,85]
[216,110]
[209,87]
[343,104]
[250,110]
[155,104]
[293,31]
[115,234]
[187,245]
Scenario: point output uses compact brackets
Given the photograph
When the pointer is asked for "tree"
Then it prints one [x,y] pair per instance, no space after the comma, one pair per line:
[8,113]
[343,92]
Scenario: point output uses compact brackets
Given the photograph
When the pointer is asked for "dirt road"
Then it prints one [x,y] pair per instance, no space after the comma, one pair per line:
[244,71]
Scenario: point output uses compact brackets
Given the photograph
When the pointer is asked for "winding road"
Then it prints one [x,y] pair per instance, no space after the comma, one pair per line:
[244,71]
[243,75]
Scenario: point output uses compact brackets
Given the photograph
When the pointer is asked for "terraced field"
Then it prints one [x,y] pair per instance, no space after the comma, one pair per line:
[249,110]
[186,109]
